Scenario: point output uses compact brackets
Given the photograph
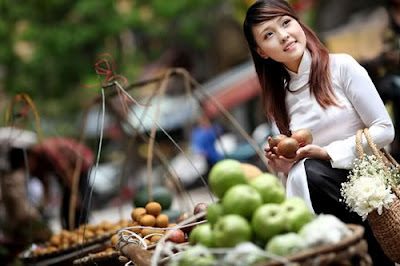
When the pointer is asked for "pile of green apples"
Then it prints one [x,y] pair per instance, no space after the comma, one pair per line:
[251,210]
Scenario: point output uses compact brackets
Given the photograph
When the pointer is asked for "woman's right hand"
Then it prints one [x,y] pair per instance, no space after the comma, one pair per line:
[278,163]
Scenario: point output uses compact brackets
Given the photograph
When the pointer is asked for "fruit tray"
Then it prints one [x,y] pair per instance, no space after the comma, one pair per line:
[91,245]
[99,258]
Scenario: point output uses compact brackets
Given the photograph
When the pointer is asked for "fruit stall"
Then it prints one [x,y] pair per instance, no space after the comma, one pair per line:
[247,221]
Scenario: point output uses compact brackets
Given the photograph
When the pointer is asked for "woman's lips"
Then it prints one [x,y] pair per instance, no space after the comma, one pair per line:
[289,46]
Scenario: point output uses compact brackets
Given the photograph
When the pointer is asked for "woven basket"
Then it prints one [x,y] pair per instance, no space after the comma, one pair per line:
[352,250]
[386,227]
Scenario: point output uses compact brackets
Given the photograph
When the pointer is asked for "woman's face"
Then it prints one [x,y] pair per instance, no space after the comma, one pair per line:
[282,39]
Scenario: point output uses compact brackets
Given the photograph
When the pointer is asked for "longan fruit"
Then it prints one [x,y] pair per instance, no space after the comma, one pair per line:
[153,208]
[148,220]
[147,231]
[155,238]
[147,241]
[114,239]
[137,213]
[135,230]
[55,240]
[106,225]
[108,251]
[162,220]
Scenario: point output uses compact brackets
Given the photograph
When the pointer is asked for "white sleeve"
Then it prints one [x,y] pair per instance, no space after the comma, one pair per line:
[365,99]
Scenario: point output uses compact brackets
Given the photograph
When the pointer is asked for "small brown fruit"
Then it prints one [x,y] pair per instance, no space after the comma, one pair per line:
[114,240]
[153,208]
[287,147]
[155,238]
[162,221]
[148,220]
[137,213]
[274,141]
[303,137]
[200,207]
[177,236]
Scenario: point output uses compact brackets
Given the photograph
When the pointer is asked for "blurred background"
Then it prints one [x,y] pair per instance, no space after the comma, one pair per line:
[54,57]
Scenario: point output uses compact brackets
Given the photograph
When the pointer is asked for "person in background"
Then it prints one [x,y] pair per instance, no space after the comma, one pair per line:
[303,86]
[21,221]
[203,138]
[61,157]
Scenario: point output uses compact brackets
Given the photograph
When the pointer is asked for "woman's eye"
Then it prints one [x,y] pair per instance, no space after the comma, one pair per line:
[286,22]
[268,34]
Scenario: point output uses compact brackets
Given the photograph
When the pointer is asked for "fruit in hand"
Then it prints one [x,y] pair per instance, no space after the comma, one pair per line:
[274,141]
[303,137]
[297,213]
[241,199]
[287,147]
[224,175]
[268,220]
[230,230]
[286,244]
[270,188]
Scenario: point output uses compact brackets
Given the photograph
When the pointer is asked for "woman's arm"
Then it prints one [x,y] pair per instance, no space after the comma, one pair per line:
[362,94]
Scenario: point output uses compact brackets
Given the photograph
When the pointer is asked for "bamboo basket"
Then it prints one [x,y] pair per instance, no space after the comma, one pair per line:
[386,227]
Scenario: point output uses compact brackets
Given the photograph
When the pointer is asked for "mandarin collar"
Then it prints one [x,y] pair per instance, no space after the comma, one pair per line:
[300,79]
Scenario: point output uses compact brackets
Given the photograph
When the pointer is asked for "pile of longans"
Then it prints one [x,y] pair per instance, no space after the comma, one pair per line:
[67,239]
[287,146]
[151,216]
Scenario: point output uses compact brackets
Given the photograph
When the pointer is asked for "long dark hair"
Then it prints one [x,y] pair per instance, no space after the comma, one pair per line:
[273,77]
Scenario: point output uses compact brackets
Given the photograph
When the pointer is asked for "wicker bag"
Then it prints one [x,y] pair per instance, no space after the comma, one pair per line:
[386,227]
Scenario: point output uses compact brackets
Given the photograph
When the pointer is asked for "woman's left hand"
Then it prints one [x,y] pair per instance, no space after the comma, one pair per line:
[309,151]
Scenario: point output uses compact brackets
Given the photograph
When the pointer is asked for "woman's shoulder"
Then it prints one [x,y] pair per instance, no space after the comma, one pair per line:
[343,61]
[342,58]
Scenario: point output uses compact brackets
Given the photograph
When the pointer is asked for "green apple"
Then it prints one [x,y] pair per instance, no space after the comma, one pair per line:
[224,175]
[197,255]
[231,230]
[268,220]
[270,188]
[213,212]
[202,234]
[241,199]
[286,244]
[297,213]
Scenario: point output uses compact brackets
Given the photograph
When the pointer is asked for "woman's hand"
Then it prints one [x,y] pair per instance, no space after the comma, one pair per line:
[309,151]
[283,164]
[278,163]
[312,151]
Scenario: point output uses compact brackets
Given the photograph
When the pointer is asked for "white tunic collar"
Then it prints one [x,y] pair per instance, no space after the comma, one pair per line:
[300,79]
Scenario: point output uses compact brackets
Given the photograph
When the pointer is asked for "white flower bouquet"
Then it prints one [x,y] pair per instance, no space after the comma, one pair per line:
[369,186]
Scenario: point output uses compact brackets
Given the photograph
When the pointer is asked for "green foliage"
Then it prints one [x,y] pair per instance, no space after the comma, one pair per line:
[48,48]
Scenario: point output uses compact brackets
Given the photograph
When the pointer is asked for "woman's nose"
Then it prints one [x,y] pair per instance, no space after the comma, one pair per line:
[284,36]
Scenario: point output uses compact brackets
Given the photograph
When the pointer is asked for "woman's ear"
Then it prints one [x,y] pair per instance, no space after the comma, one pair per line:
[262,53]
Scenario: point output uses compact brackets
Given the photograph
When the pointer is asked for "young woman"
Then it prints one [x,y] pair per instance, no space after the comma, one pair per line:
[303,86]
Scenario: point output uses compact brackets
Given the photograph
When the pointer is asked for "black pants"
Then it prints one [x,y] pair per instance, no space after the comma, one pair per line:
[324,183]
